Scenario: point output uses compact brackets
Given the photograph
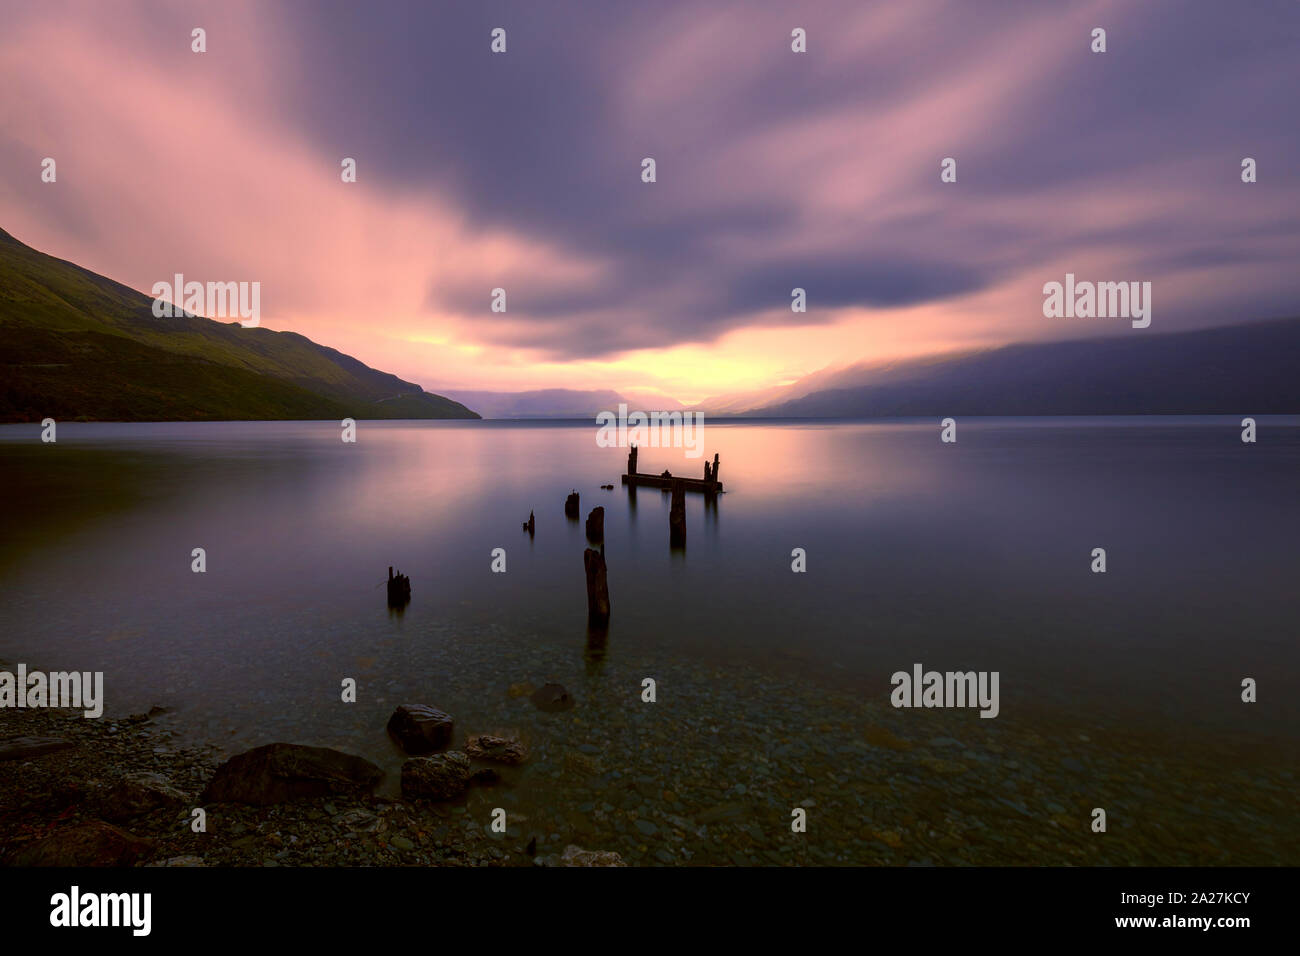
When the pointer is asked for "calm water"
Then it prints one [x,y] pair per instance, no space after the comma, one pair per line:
[973,556]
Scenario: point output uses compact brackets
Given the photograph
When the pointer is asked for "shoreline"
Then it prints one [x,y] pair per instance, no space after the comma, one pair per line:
[882,787]
[51,794]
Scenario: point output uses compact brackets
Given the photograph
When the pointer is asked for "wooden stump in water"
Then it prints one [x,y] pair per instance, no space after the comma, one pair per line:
[677,515]
[399,589]
[596,524]
[571,506]
[597,588]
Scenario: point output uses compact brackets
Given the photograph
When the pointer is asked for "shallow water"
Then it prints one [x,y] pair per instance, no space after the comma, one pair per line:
[966,556]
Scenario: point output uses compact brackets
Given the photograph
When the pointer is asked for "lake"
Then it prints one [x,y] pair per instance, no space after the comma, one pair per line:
[1119,689]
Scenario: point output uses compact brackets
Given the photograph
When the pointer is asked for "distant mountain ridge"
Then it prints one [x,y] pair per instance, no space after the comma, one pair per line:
[558,402]
[1249,368]
[77,345]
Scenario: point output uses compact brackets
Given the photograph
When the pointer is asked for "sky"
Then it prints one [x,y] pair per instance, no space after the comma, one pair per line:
[522,170]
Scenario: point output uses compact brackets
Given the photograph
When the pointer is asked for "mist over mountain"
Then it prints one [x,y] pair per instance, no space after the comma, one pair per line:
[1251,368]
[76,345]
[558,402]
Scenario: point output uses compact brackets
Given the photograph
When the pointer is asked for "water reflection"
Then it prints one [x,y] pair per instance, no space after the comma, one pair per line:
[973,555]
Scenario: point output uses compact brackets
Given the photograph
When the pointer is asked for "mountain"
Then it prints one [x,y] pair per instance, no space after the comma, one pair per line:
[558,403]
[1253,368]
[742,403]
[75,345]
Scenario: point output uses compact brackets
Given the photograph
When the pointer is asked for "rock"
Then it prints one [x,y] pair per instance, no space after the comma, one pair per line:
[935,765]
[505,750]
[21,748]
[581,765]
[188,860]
[521,689]
[87,844]
[881,737]
[440,777]
[485,777]
[723,812]
[357,821]
[553,697]
[277,773]
[577,856]
[420,729]
[890,838]
[138,794]
[402,843]
[596,524]
[597,588]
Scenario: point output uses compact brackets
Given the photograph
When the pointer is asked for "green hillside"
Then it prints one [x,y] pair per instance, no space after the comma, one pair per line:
[75,345]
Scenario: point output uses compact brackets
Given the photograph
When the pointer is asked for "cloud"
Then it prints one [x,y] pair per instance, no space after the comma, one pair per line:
[775,170]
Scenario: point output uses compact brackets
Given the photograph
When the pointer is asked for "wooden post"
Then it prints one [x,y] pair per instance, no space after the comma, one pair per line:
[596,524]
[597,588]
[677,515]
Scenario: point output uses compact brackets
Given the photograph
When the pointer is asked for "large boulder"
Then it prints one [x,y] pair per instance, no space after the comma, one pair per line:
[138,794]
[87,844]
[421,729]
[440,777]
[278,773]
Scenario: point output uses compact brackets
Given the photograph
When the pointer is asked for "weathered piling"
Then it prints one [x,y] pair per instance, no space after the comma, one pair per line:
[677,515]
[530,525]
[596,524]
[571,506]
[597,588]
[399,589]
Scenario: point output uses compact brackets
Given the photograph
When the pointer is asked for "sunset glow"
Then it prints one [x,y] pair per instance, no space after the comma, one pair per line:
[226,166]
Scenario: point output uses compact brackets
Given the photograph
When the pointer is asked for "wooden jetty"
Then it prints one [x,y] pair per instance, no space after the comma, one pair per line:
[709,484]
